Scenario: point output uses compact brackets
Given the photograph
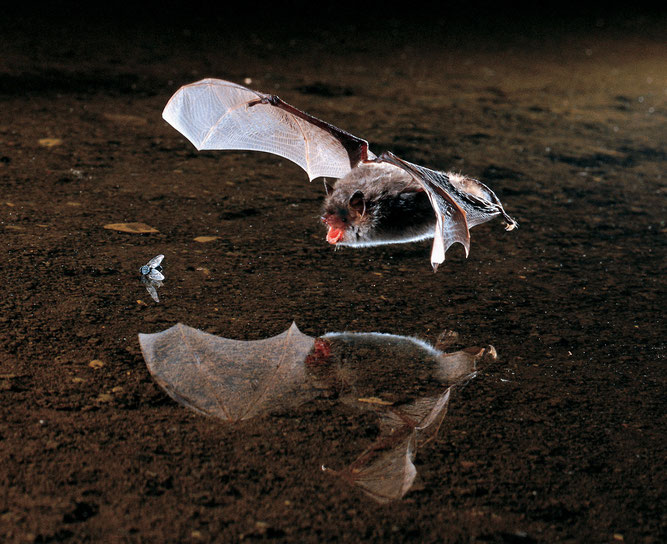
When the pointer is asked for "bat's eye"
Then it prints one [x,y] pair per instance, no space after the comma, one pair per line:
[334,220]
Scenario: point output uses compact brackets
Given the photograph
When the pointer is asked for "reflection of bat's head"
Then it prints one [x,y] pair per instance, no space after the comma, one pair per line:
[376,203]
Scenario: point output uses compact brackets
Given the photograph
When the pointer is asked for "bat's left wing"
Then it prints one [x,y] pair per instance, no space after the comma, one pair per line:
[218,114]
[458,203]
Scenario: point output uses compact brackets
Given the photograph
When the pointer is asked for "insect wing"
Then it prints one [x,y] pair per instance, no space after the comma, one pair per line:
[155,261]
[155,275]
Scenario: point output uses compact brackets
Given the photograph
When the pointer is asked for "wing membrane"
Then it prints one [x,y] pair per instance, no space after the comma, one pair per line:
[459,204]
[217,114]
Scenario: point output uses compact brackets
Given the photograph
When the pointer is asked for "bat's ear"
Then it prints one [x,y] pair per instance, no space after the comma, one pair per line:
[357,203]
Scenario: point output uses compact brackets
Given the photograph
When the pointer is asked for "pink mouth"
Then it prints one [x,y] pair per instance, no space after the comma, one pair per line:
[335,235]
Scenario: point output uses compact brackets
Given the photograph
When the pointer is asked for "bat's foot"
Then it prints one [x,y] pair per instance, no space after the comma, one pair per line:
[510,224]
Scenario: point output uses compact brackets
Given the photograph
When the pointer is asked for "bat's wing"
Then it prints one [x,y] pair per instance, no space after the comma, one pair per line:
[459,204]
[217,114]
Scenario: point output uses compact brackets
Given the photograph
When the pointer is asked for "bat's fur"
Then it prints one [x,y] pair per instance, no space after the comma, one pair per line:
[395,207]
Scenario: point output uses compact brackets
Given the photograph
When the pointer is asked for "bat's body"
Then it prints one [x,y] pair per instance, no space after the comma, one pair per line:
[377,204]
[376,200]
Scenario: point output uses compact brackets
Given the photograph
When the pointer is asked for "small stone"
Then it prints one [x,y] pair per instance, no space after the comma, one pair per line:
[96,363]
[204,239]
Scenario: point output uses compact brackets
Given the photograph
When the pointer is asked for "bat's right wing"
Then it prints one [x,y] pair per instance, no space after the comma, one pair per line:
[217,114]
[459,204]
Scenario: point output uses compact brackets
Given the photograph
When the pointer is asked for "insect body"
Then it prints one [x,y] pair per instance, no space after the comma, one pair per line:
[152,268]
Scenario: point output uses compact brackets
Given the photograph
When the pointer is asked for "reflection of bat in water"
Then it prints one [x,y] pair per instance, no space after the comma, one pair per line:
[236,380]
[377,200]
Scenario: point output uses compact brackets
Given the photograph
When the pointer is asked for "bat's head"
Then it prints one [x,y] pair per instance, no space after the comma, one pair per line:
[347,217]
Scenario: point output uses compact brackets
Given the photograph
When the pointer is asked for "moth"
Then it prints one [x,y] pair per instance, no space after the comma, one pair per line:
[376,199]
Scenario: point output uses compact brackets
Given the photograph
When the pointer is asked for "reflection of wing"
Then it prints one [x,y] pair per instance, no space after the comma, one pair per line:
[458,205]
[151,287]
[385,471]
[230,379]
[217,114]
[387,474]
[155,261]
[152,292]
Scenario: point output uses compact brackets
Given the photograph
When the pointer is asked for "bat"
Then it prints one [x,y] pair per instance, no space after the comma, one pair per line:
[236,380]
[375,200]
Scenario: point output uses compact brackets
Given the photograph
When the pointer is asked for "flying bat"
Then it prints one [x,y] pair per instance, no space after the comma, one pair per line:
[375,200]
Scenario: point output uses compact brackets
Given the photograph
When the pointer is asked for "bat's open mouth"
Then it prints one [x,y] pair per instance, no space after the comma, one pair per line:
[336,228]
[335,235]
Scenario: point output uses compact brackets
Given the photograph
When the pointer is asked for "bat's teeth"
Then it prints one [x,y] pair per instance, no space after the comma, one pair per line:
[435,266]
